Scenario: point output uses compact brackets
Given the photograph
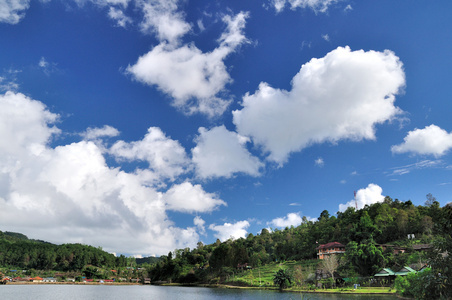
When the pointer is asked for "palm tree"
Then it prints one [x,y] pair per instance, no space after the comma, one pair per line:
[282,278]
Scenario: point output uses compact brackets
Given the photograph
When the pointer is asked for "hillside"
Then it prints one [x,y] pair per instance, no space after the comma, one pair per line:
[362,231]
[18,251]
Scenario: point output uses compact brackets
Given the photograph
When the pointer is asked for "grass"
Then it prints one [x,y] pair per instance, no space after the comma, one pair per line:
[263,276]
[360,290]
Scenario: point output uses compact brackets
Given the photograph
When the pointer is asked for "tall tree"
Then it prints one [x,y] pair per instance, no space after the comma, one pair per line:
[330,263]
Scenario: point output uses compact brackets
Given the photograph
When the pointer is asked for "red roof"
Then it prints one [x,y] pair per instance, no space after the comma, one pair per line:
[331,245]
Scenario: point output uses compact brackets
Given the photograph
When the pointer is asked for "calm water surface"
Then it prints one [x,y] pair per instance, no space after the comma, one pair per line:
[96,292]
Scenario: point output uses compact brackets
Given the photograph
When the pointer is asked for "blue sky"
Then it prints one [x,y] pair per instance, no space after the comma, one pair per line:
[145,126]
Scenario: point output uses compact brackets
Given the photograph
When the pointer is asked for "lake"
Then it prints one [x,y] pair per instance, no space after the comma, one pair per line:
[96,292]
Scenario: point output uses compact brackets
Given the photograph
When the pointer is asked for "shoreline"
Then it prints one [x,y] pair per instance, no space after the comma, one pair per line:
[70,283]
[225,286]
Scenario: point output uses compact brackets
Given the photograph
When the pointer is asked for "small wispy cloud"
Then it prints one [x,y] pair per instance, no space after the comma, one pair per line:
[201,25]
[319,162]
[326,37]
[424,164]
[305,44]
[8,80]
[47,67]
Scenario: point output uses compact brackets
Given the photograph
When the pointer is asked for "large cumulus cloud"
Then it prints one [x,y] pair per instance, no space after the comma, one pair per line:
[340,96]
[192,78]
[69,193]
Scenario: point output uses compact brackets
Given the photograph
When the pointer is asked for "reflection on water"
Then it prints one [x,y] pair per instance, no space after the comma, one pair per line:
[95,292]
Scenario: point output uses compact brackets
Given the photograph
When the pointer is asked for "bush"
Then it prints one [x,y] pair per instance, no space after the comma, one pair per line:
[422,285]
[327,283]
[402,285]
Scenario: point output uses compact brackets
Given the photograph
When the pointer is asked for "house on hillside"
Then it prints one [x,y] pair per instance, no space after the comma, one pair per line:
[386,272]
[405,271]
[390,274]
[422,247]
[395,249]
[330,248]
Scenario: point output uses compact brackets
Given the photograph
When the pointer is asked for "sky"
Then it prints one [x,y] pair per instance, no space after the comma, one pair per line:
[145,126]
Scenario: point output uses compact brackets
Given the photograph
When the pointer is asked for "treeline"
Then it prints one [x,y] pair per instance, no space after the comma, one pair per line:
[388,222]
[17,251]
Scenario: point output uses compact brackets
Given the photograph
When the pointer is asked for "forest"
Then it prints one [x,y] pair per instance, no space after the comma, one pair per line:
[19,252]
[363,231]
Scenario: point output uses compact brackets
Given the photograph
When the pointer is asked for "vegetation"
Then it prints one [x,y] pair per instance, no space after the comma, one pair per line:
[282,278]
[29,254]
[20,256]
[330,264]
[258,260]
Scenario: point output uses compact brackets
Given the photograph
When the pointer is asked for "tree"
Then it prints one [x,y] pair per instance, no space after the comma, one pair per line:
[282,278]
[324,214]
[366,258]
[441,258]
[330,263]
[430,200]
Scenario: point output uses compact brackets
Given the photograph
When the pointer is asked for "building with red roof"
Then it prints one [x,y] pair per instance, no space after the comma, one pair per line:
[330,248]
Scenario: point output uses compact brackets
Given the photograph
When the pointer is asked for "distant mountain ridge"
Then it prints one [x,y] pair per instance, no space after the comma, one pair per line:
[16,236]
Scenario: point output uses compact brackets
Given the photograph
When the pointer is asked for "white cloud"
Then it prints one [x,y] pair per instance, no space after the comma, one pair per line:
[230,230]
[201,25]
[164,155]
[118,15]
[432,140]
[189,198]
[25,124]
[43,63]
[8,81]
[12,11]
[69,193]
[101,3]
[340,96]
[95,133]
[163,18]
[47,67]
[424,164]
[319,162]
[316,5]
[292,219]
[6,85]
[368,196]
[326,37]
[192,78]
[220,152]
[200,225]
